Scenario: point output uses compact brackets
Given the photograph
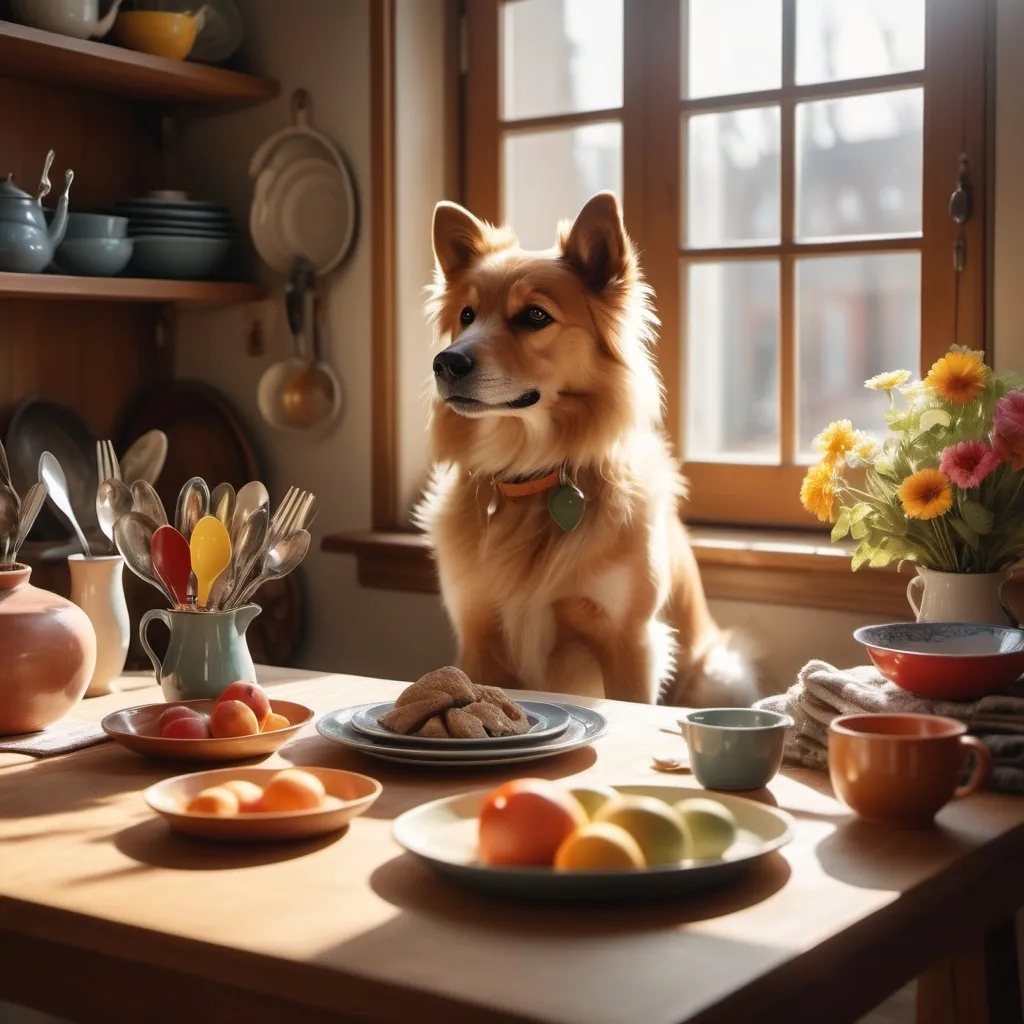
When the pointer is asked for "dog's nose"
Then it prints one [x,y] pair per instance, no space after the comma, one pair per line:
[452,364]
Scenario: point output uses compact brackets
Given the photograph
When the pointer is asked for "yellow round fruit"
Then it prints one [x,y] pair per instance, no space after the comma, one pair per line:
[593,797]
[599,846]
[712,826]
[658,829]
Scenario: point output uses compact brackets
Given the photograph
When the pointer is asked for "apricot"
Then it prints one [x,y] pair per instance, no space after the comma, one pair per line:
[525,821]
[173,713]
[233,718]
[292,790]
[186,727]
[250,694]
[275,721]
[248,794]
[599,846]
[217,800]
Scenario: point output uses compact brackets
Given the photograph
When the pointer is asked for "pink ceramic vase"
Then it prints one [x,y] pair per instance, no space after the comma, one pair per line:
[47,653]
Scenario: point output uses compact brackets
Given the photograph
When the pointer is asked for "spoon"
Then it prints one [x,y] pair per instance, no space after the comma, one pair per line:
[8,522]
[133,537]
[147,501]
[193,504]
[172,560]
[252,537]
[52,475]
[211,555]
[5,469]
[34,498]
[113,500]
[222,503]
[145,458]
[284,556]
[251,497]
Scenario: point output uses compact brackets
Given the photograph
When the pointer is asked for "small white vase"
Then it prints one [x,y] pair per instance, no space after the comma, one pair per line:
[959,596]
[97,587]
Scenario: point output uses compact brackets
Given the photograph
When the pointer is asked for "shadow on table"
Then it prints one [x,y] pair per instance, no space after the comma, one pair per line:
[404,785]
[152,842]
[405,882]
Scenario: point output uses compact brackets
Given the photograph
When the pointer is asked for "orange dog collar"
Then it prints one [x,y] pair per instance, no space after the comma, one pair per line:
[511,491]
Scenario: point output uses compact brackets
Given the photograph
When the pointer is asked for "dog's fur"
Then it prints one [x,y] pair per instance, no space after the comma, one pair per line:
[615,607]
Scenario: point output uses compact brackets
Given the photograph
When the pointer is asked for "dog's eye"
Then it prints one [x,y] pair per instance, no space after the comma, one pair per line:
[537,317]
[467,316]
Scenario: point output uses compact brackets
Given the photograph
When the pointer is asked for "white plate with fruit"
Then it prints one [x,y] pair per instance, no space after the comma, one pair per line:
[540,839]
[243,805]
[243,722]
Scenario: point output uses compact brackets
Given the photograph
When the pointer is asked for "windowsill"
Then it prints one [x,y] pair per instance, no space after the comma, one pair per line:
[775,566]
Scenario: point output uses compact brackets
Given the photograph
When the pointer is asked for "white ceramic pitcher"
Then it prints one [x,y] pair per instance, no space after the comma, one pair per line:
[97,587]
[959,596]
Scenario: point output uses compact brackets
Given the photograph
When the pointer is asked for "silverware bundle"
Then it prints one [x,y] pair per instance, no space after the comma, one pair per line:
[16,515]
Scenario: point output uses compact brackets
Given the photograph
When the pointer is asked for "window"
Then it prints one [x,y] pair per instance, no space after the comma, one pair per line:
[785,168]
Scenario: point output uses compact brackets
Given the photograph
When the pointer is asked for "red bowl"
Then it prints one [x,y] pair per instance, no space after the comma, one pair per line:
[946,660]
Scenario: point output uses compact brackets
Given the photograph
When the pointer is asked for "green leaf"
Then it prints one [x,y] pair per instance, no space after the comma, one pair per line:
[859,529]
[842,525]
[862,553]
[880,558]
[893,520]
[969,537]
[931,418]
[976,516]
[860,511]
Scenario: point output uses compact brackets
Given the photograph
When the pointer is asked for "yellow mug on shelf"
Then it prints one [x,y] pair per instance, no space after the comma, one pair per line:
[161,33]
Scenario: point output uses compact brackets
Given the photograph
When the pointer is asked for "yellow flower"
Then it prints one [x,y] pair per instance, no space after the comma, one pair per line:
[980,353]
[818,491]
[926,494]
[958,377]
[888,381]
[836,440]
[866,447]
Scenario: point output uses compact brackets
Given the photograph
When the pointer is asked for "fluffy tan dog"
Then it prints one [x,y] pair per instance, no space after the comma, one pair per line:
[554,505]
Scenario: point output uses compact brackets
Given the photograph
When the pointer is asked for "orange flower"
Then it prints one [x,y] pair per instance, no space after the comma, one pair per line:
[926,494]
[818,491]
[958,377]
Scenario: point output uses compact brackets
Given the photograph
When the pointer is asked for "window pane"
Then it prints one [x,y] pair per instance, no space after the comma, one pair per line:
[859,165]
[549,175]
[838,39]
[856,316]
[732,361]
[561,56]
[732,46]
[732,178]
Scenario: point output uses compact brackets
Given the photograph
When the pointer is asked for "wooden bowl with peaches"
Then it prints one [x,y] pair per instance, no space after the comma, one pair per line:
[242,723]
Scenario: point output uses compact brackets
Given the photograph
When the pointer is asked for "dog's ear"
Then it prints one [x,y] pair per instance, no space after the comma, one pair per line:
[596,244]
[459,238]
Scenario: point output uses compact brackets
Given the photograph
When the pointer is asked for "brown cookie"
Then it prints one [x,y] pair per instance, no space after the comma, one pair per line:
[434,728]
[516,716]
[449,680]
[410,717]
[464,726]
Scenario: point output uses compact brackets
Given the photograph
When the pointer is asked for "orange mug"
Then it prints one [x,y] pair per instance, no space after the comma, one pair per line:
[902,769]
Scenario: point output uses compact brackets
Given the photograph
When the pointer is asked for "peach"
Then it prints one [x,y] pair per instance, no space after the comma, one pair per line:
[248,794]
[173,713]
[187,727]
[293,790]
[275,721]
[233,718]
[250,694]
[217,800]
[525,821]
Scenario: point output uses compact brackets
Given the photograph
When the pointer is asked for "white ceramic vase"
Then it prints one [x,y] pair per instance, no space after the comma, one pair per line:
[959,597]
[97,587]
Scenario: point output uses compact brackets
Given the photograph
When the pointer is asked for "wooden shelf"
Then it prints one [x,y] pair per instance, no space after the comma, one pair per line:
[57,287]
[39,56]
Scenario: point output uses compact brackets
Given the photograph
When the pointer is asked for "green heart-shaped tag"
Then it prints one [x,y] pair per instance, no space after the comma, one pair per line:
[566,505]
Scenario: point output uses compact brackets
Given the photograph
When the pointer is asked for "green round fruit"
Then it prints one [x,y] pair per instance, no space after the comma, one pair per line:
[711,824]
[658,829]
[593,797]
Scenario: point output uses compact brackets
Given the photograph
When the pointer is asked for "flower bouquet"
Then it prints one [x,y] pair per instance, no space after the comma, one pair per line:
[944,487]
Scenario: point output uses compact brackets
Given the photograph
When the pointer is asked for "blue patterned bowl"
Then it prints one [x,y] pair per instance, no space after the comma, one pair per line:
[946,660]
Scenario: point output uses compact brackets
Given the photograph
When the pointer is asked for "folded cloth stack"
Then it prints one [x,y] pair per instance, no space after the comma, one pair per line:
[823,692]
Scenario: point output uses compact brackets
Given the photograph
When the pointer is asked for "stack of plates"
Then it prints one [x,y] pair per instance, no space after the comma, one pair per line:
[554,729]
[177,238]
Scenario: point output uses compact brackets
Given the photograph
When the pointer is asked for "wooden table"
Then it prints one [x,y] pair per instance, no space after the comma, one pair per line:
[107,916]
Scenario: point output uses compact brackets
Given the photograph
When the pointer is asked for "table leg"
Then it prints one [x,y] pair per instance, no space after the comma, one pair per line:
[979,984]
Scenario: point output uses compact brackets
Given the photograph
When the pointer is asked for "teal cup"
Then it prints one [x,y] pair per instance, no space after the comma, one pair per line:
[735,748]
[206,652]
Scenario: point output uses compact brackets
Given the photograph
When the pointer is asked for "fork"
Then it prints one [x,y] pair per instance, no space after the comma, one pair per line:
[107,466]
[283,521]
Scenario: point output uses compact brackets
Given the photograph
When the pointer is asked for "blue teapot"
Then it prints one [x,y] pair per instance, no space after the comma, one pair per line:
[27,244]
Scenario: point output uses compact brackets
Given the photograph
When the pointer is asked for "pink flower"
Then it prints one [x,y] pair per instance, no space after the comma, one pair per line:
[1008,428]
[968,463]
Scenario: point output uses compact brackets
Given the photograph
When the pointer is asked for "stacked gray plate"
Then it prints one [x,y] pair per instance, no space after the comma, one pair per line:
[554,729]
[177,238]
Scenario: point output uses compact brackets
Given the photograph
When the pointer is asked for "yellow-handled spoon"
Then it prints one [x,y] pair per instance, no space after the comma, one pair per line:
[210,547]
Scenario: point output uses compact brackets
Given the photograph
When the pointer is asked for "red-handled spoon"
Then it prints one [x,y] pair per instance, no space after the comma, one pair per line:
[172,560]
